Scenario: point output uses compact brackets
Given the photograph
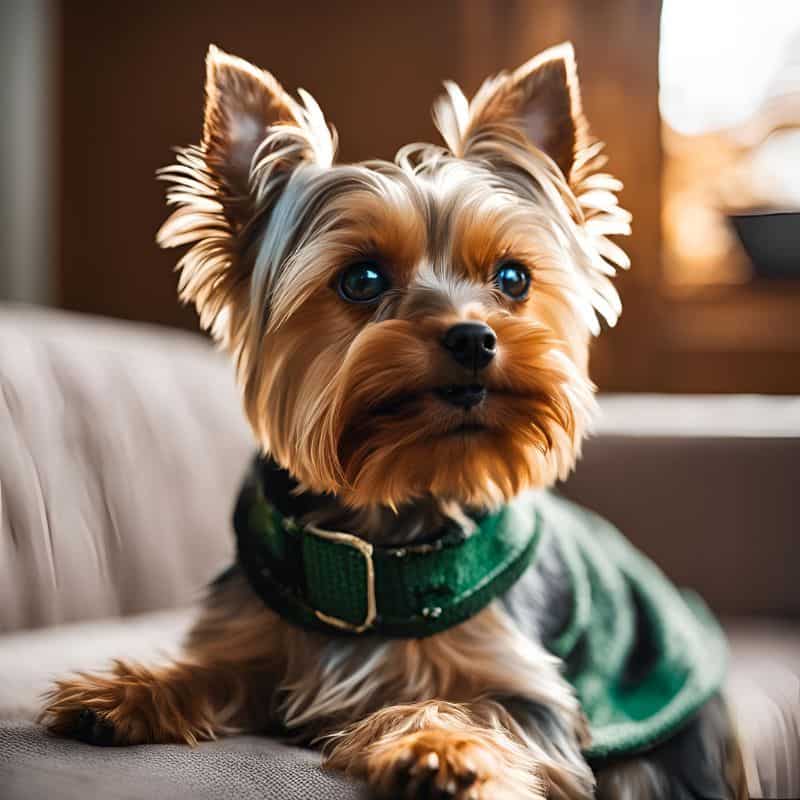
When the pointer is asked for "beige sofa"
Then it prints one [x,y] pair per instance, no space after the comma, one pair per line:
[121,447]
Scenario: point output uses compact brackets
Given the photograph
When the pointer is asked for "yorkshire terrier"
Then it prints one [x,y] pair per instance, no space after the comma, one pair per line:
[411,340]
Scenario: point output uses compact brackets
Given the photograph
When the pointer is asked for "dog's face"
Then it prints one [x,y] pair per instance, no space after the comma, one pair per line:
[412,327]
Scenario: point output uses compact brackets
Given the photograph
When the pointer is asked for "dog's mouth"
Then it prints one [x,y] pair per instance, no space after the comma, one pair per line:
[466,429]
[466,396]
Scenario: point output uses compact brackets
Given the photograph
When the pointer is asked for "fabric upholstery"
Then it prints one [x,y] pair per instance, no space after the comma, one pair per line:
[121,450]
[764,690]
[716,506]
[36,767]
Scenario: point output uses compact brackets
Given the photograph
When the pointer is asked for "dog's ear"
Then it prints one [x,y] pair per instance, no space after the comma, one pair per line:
[250,119]
[255,135]
[540,100]
[242,103]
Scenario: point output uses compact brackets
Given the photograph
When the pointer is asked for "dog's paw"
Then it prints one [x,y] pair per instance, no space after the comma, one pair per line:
[80,708]
[444,765]
[84,725]
[129,705]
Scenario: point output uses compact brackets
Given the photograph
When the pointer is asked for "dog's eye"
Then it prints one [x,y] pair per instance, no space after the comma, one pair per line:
[362,283]
[513,280]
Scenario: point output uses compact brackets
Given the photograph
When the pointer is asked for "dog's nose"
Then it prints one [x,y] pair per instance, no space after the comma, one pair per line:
[471,344]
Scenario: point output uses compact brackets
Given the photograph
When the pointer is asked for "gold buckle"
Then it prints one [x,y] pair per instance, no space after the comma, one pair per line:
[365,549]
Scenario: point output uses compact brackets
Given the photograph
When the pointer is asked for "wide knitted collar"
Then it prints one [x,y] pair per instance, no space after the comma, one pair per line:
[338,582]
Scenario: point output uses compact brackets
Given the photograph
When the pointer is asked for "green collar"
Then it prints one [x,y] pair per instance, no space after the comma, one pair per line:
[337,582]
[641,656]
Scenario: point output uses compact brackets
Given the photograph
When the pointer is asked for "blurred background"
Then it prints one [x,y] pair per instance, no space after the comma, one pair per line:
[698,102]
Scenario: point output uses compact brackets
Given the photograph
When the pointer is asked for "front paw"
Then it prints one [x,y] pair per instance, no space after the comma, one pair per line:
[79,708]
[439,764]
[129,705]
[87,726]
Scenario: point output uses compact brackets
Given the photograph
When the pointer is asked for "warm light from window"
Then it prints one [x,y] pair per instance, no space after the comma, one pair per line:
[719,59]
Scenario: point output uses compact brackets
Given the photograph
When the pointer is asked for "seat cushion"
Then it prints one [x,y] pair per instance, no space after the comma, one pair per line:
[33,765]
[763,689]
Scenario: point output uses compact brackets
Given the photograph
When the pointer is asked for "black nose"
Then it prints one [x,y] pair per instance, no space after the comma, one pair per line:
[471,344]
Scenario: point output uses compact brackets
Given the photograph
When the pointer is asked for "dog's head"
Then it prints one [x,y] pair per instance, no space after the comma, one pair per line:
[404,328]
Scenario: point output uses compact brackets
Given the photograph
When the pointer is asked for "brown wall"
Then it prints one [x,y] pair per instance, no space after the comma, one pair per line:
[132,80]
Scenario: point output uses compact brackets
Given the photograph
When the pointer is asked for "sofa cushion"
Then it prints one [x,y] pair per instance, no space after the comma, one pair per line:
[763,689]
[121,447]
[34,766]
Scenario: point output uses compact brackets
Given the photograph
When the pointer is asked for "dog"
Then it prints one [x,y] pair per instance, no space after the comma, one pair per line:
[411,340]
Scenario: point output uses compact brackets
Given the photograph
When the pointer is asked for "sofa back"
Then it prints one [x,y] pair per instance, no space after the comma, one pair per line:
[122,446]
[707,486]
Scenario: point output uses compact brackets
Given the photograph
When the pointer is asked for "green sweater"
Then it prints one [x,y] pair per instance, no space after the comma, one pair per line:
[642,656]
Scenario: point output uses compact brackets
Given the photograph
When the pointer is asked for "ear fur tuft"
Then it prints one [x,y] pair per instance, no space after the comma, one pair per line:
[254,136]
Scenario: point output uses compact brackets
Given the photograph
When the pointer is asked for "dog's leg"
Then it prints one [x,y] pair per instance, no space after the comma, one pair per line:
[184,701]
[555,740]
[496,745]
[436,749]
[222,683]
[701,761]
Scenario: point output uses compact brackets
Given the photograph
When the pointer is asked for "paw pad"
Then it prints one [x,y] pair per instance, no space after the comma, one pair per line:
[446,773]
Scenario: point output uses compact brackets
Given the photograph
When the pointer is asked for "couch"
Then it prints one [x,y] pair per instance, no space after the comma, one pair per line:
[121,447]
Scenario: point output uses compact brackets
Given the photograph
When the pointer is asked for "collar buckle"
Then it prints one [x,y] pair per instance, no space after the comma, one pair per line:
[365,550]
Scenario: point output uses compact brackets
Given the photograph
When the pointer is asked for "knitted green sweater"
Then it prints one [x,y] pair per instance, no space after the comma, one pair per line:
[642,656]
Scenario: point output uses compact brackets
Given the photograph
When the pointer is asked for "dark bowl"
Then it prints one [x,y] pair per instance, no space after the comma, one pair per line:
[771,240]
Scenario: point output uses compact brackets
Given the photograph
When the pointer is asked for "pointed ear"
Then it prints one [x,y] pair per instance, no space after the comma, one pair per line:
[242,102]
[549,101]
[541,100]
[254,136]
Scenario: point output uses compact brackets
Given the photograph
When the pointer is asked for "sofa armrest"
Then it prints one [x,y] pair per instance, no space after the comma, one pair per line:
[121,447]
[709,487]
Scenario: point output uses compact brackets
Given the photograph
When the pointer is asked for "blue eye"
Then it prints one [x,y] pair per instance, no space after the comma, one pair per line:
[513,279]
[362,283]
